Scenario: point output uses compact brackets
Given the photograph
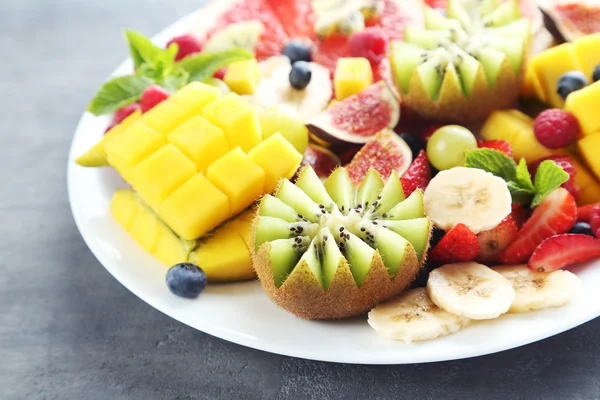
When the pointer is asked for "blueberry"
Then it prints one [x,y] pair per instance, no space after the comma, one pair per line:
[570,82]
[582,228]
[300,75]
[297,51]
[414,142]
[596,74]
[186,280]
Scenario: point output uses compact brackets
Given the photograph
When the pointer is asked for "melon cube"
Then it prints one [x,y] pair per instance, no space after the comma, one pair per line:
[588,148]
[144,228]
[195,96]
[550,65]
[238,120]
[195,208]
[584,105]
[161,173]
[352,76]
[123,207]
[201,141]
[587,52]
[236,175]
[278,158]
[125,151]
[243,77]
[166,116]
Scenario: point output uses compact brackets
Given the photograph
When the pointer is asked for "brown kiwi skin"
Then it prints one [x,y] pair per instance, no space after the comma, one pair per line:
[302,295]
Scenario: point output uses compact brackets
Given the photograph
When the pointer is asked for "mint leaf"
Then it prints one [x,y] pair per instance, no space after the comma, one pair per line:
[141,48]
[202,66]
[548,178]
[492,161]
[119,92]
[523,177]
[518,194]
[175,80]
[164,63]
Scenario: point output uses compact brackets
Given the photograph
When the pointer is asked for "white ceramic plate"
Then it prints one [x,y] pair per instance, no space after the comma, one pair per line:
[242,313]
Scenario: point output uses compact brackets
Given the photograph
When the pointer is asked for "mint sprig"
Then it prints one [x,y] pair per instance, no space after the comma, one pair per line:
[522,188]
[154,65]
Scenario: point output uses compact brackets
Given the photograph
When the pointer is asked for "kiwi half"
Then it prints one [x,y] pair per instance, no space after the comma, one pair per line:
[330,251]
[464,65]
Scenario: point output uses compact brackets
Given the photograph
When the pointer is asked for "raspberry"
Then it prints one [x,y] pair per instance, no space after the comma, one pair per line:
[567,165]
[595,221]
[418,174]
[188,45]
[499,145]
[220,74]
[124,112]
[153,96]
[556,128]
[372,44]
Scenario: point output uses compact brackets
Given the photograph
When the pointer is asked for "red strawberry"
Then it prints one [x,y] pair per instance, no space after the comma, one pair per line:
[556,128]
[555,215]
[520,214]
[499,145]
[566,163]
[124,112]
[187,44]
[494,241]
[458,245]
[153,96]
[584,213]
[595,220]
[563,250]
[220,74]
[418,174]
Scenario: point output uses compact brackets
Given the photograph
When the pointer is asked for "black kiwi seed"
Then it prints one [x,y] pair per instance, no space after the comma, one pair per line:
[299,229]
[362,229]
[321,206]
[341,229]
[292,229]
[374,222]
[384,215]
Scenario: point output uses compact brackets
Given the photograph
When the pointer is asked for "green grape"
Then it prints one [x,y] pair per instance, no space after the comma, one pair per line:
[290,126]
[448,145]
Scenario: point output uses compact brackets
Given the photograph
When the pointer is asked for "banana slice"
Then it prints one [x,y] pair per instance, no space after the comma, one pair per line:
[469,196]
[239,35]
[537,290]
[274,89]
[412,317]
[471,290]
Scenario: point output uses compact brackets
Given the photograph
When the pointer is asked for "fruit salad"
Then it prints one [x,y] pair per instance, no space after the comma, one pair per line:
[412,161]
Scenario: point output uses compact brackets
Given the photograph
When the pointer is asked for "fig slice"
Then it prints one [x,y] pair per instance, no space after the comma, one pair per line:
[323,161]
[386,152]
[358,118]
[567,21]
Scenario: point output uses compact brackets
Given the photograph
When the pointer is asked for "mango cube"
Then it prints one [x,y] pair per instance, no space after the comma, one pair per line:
[236,175]
[195,96]
[586,51]
[584,105]
[238,120]
[589,187]
[278,158]
[165,117]
[160,174]
[531,85]
[352,76]
[129,148]
[201,141]
[243,77]
[549,65]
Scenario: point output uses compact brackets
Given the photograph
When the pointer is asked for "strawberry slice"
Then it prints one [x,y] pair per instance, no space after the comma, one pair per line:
[520,214]
[418,174]
[495,241]
[458,245]
[584,213]
[562,250]
[555,215]
[499,145]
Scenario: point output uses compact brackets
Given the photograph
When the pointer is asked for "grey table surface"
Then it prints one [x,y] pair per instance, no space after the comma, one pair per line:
[68,330]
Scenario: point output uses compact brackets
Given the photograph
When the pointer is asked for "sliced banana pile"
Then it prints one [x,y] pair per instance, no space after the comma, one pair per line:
[459,293]
[274,89]
[470,196]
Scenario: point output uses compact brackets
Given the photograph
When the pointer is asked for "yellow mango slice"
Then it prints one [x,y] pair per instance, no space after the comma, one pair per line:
[589,187]
[171,250]
[549,65]
[238,120]
[195,208]
[144,228]
[160,174]
[236,175]
[584,105]
[129,148]
[201,141]
[588,149]
[278,158]
[531,85]
[586,51]
[352,76]
[124,206]
[96,156]
[243,77]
